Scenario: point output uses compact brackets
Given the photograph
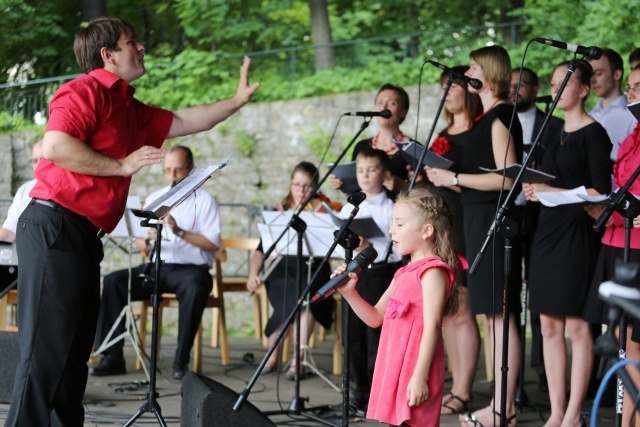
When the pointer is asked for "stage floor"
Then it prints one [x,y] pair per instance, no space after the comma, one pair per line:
[114,400]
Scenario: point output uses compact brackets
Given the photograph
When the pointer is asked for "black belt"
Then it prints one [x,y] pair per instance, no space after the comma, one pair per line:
[53,205]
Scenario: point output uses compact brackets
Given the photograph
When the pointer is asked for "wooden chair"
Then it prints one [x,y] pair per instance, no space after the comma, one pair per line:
[237,283]
[10,299]
[215,301]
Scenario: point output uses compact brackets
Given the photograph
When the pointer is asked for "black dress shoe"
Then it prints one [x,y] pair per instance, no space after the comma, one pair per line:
[179,371]
[109,366]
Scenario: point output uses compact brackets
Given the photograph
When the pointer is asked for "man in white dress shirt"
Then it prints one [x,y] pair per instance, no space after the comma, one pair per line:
[20,200]
[611,111]
[190,236]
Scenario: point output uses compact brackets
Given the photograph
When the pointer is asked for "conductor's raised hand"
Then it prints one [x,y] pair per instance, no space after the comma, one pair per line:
[144,156]
[245,92]
[351,284]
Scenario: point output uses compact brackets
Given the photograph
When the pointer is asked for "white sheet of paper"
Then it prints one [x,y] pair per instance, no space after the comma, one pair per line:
[133,202]
[318,236]
[556,198]
[185,187]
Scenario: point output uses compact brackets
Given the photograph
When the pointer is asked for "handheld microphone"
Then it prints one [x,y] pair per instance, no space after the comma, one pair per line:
[546,99]
[385,114]
[593,52]
[362,260]
[474,83]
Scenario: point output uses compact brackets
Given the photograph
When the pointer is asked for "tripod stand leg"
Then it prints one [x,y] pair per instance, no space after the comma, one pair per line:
[151,405]
[108,342]
[309,362]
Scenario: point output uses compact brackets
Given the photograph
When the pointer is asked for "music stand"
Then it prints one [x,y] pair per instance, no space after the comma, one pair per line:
[153,215]
[126,228]
[319,230]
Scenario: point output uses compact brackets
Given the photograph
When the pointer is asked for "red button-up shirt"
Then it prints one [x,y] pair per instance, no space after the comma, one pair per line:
[626,163]
[99,109]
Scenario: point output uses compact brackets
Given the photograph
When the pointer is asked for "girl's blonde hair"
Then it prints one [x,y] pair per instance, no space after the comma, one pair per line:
[431,207]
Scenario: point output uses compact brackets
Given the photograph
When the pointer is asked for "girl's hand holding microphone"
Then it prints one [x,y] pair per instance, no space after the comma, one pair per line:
[351,284]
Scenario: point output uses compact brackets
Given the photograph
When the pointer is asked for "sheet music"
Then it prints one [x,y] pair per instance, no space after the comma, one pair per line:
[363,226]
[347,174]
[318,237]
[121,230]
[163,204]
[412,153]
[556,198]
[529,176]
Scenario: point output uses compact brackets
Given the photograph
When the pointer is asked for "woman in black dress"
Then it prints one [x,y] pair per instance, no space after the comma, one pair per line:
[461,336]
[489,144]
[282,285]
[565,246]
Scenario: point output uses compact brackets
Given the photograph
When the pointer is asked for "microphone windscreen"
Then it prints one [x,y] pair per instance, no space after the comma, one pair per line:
[356,198]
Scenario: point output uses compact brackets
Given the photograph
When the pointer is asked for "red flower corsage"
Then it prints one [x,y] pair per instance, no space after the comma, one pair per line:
[441,146]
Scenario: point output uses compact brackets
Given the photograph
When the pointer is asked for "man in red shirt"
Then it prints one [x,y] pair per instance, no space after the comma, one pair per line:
[97,137]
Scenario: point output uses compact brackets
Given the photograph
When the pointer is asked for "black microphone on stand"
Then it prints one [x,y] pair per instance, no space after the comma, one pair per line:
[474,83]
[385,114]
[361,261]
[593,52]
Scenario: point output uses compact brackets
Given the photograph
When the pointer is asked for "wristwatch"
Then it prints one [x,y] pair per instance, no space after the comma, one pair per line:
[454,180]
[180,233]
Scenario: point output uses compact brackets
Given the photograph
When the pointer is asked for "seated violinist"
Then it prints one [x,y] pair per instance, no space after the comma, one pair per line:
[282,285]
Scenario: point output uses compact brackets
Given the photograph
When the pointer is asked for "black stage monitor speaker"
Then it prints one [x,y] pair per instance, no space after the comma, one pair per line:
[9,356]
[206,402]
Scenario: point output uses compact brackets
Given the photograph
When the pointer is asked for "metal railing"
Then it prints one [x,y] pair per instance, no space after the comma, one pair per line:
[30,99]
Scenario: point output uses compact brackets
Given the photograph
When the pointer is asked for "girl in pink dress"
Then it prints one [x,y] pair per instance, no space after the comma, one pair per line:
[408,379]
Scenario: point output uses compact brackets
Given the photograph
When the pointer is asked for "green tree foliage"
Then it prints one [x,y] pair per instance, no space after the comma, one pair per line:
[195,47]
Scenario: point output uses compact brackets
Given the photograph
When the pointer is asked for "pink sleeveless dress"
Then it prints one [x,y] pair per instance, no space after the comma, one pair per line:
[398,353]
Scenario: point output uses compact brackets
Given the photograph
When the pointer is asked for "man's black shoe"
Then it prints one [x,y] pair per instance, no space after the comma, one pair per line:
[179,371]
[109,366]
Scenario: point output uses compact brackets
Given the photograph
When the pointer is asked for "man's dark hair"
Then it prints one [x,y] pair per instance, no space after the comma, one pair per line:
[615,61]
[99,33]
[528,74]
[187,152]
[635,56]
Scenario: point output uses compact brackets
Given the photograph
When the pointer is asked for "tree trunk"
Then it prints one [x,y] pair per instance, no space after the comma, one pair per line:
[90,9]
[321,34]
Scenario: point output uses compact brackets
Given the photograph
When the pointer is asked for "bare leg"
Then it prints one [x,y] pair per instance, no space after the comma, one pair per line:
[307,324]
[273,359]
[486,416]
[581,363]
[555,365]
[462,342]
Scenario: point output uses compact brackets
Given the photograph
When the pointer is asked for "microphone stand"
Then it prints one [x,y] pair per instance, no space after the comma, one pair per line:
[629,207]
[295,217]
[152,405]
[297,405]
[508,228]
[363,126]
[349,242]
[419,163]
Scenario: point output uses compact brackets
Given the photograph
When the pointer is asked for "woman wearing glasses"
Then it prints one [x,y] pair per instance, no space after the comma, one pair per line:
[282,284]
[628,159]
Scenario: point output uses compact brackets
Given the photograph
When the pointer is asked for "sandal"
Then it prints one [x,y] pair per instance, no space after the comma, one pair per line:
[452,407]
[471,418]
